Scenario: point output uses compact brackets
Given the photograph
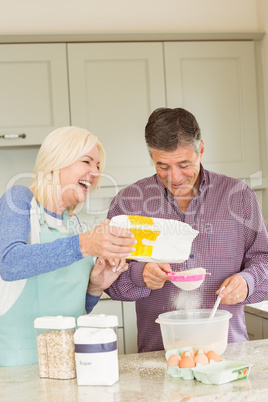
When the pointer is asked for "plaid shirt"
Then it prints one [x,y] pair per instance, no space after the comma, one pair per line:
[232,239]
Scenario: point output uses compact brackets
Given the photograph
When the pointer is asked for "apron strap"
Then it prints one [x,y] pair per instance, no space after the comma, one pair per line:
[42,215]
[68,223]
[66,219]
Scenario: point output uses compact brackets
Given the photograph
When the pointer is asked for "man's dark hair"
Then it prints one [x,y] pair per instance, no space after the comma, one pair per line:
[168,128]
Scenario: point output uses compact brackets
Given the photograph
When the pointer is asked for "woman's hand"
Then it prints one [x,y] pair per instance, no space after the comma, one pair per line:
[107,241]
[104,274]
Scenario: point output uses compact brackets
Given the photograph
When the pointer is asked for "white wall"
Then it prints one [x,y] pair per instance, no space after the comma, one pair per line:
[128,16]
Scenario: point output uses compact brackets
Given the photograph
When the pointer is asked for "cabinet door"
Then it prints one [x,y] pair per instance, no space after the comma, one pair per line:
[265,328]
[34,91]
[216,81]
[254,326]
[113,89]
[130,327]
[113,307]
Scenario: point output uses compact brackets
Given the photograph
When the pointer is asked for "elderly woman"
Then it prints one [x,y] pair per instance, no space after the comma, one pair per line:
[45,264]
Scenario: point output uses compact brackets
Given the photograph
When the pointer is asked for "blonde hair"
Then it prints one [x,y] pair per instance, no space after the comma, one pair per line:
[61,148]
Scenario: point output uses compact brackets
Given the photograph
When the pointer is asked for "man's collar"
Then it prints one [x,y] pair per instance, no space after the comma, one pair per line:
[203,178]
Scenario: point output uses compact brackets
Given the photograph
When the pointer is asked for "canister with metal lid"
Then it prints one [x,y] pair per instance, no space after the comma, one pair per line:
[96,352]
[55,346]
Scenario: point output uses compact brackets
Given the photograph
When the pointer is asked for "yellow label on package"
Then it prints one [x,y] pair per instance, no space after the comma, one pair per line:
[158,240]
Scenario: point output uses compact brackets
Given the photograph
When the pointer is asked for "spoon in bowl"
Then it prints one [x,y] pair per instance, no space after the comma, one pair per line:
[216,305]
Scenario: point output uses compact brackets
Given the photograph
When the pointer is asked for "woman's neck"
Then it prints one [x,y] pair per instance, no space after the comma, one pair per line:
[56,208]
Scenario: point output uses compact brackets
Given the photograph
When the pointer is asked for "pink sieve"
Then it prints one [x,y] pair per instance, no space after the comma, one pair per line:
[174,277]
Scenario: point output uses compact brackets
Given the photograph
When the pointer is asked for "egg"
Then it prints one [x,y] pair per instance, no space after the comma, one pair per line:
[211,355]
[201,358]
[198,351]
[186,362]
[173,360]
[187,353]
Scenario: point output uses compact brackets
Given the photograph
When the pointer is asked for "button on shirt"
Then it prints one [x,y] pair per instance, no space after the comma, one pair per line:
[232,239]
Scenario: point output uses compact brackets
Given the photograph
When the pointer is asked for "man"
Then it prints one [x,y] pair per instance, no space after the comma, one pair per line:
[232,243]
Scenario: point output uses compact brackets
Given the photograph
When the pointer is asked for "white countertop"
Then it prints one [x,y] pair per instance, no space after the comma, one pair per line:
[260,309]
[143,378]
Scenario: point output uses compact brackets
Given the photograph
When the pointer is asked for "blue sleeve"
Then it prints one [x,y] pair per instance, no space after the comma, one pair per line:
[20,260]
[91,302]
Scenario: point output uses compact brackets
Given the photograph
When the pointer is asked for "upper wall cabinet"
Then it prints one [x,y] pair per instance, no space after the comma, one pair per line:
[216,81]
[115,86]
[34,92]
[113,89]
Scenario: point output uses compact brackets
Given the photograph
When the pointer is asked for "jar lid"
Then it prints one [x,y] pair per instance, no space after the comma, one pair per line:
[97,320]
[57,322]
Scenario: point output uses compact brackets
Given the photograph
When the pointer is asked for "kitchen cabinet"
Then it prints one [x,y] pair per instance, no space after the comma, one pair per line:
[216,81]
[254,326]
[264,328]
[256,316]
[34,92]
[113,89]
[127,326]
[113,307]
[130,327]
[257,326]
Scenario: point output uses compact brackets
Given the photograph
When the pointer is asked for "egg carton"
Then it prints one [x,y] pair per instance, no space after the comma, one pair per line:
[185,373]
[212,373]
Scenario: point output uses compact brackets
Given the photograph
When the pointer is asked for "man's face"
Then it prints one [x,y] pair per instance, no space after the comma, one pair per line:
[179,170]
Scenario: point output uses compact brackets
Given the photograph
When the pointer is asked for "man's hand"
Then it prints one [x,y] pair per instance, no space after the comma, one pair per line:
[236,290]
[154,275]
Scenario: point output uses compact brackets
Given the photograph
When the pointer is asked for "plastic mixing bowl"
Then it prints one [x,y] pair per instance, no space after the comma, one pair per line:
[194,328]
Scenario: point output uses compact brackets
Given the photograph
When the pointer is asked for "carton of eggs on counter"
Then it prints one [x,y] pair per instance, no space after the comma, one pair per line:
[208,367]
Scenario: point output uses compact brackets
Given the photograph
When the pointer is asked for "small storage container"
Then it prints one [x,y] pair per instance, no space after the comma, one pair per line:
[96,352]
[55,346]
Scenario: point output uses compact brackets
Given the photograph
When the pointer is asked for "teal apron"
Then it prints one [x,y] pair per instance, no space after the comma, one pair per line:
[60,292]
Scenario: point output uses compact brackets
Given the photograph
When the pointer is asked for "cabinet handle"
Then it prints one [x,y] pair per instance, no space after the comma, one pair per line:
[12,136]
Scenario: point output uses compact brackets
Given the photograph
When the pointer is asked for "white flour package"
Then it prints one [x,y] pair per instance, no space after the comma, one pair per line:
[158,240]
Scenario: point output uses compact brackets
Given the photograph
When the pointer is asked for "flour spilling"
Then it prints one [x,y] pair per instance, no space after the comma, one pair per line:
[158,240]
[189,300]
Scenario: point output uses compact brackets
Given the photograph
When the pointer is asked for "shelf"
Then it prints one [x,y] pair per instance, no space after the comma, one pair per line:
[134,37]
